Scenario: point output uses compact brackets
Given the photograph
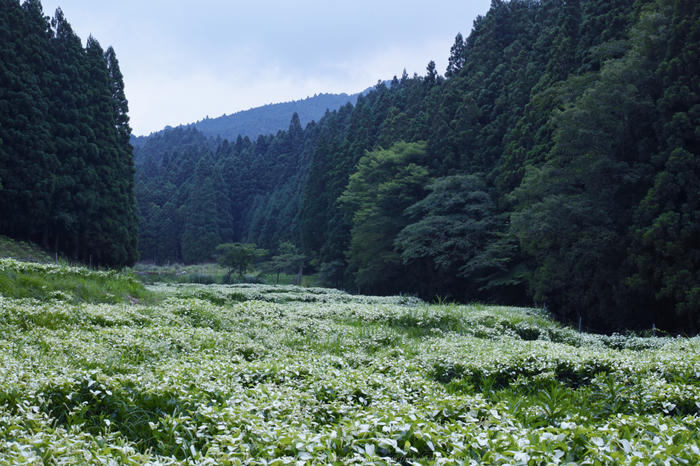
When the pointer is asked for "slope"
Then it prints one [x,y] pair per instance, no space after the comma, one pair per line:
[268,119]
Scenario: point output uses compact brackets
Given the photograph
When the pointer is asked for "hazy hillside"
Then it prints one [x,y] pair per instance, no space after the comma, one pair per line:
[267,119]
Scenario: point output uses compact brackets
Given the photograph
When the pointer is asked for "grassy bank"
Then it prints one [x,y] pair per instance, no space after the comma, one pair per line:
[51,282]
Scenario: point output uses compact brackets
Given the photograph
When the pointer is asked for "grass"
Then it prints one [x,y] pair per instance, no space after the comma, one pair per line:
[307,281]
[46,282]
[10,248]
[208,274]
[39,276]
[260,374]
[178,273]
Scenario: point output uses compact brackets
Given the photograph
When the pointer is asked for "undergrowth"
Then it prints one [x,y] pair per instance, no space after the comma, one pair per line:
[256,374]
[21,250]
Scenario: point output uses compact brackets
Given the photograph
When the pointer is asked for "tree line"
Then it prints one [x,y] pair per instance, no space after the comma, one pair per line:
[555,161]
[66,164]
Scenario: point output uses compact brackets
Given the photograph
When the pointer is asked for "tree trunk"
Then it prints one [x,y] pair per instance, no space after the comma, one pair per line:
[76,246]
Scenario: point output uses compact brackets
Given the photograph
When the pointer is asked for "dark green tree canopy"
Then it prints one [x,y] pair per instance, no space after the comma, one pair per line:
[66,165]
[458,228]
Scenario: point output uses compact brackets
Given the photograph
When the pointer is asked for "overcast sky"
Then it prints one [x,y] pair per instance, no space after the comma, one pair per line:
[185,60]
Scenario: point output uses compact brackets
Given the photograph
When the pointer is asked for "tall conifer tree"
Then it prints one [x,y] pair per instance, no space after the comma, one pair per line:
[26,161]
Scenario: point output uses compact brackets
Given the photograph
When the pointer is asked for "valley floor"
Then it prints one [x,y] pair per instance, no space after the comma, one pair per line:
[253,374]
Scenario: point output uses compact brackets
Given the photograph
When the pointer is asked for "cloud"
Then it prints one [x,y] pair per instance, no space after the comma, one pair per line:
[184,60]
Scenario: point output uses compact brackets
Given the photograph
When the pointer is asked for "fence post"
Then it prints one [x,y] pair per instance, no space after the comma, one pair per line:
[579,324]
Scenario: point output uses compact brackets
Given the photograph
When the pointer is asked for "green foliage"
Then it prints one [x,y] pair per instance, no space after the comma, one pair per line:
[329,273]
[385,184]
[238,257]
[201,231]
[20,250]
[665,251]
[588,208]
[458,227]
[27,161]
[247,374]
[554,162]
[287,260]
[46,282]
[66,164]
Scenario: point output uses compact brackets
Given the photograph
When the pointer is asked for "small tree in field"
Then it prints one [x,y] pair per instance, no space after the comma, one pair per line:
[238,257]
[287,260]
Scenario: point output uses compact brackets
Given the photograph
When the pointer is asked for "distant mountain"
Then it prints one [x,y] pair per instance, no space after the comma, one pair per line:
[268,119]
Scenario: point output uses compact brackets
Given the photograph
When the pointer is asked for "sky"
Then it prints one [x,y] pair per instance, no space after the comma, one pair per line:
[185,60]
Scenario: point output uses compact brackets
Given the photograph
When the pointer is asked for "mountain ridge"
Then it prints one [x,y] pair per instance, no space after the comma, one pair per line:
[266,119]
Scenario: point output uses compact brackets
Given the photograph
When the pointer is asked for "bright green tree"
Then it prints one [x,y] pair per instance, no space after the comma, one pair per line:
[385,184]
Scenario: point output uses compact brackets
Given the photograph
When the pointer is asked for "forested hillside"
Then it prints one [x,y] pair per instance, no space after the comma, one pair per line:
[268,119]
[556,161]
[66,165]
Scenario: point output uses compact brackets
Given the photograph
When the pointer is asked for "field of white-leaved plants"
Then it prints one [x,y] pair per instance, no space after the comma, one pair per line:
[269,375]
